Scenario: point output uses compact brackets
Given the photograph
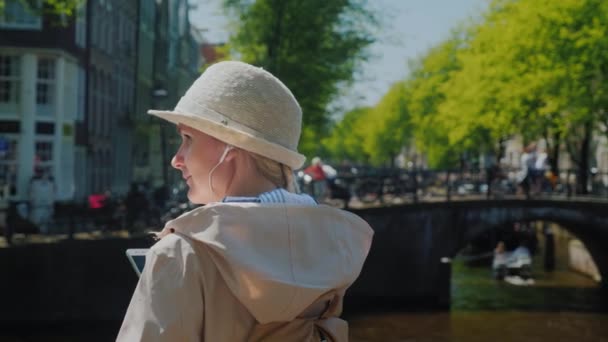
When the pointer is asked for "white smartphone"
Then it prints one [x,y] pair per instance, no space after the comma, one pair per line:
[137,258]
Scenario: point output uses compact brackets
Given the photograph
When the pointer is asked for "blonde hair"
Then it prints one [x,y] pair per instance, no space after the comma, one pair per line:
[279,174]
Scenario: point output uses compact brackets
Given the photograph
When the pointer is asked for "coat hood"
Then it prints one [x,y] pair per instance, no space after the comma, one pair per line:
[277,259]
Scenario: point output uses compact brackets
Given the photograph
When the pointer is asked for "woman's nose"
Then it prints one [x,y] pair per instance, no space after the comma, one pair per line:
[177,161]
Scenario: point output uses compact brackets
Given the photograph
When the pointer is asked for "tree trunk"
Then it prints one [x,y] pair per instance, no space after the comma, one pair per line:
[554,153]
[583,165]
[500,151]
[274,43]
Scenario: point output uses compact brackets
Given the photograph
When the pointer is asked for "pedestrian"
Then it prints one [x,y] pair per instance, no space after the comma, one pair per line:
[319,178]
[42,200]
[526,174]
[540,171]
[258,261]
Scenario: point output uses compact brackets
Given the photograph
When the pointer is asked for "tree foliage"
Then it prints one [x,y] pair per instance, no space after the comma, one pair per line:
[347,139]
[48,7]
[532,67]
[388,126]
[313,46]
[535,68]
[373,135]
[433,132]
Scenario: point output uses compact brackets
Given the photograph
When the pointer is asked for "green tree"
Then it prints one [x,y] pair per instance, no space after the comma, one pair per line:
[373,135]
[314,46]
[544,78]
[48,7]
[388,126]
[432,132]
[346,140]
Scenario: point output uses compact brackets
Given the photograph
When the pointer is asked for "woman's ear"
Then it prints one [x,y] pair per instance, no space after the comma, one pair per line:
[226,156]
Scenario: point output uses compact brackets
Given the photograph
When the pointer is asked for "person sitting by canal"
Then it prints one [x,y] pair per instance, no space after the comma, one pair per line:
[258,261]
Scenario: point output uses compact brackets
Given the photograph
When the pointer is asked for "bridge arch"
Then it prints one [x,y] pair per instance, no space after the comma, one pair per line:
[585,221]
[410,241]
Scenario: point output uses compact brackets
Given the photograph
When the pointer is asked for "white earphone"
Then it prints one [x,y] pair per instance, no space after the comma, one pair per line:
[226,150]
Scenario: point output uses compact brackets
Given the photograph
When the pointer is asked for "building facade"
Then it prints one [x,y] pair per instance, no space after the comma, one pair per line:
[176,64]
[41,99]
[111,65]
[74,92]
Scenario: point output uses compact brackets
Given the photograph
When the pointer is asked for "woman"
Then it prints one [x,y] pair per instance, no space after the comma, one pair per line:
[258,261]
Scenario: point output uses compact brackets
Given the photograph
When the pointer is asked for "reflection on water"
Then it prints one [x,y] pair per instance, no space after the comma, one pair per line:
[561,306]
[481,326]
[561,290]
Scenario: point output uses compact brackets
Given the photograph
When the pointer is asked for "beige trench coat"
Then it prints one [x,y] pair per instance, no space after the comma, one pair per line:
[249,272]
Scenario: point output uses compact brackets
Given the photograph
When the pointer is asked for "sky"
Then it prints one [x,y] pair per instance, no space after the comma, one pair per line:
[410,28]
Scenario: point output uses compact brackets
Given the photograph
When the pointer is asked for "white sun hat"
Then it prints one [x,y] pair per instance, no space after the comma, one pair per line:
[244,106]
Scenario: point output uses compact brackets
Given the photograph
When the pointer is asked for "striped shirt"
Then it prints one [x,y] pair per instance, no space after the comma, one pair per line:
[278,195]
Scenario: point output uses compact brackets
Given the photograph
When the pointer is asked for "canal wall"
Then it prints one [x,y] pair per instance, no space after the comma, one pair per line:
[71,280]
[408,264]
[92,281]
[581,261]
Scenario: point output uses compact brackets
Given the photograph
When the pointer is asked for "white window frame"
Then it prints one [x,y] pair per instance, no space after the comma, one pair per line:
[46,165]
[14,163]
[46,109]
[15,79]
[81,25]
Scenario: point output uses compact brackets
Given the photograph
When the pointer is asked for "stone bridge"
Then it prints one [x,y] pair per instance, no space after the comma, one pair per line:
[405,262]
[82,281]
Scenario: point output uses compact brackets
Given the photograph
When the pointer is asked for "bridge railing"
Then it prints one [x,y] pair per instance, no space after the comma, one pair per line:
[406,185]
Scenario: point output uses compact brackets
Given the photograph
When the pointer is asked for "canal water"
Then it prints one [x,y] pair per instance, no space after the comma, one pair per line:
[562,305]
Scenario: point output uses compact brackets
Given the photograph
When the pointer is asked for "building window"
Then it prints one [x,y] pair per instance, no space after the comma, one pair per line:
[16,15]
[98,103]
[45,86]
[81,91]
[107,170]
[9,79]
[43,161]
[109,95]
[95,30]
[81,25]
[44,151]
[111,33]
[8,166]
[121,29]
[101,99]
